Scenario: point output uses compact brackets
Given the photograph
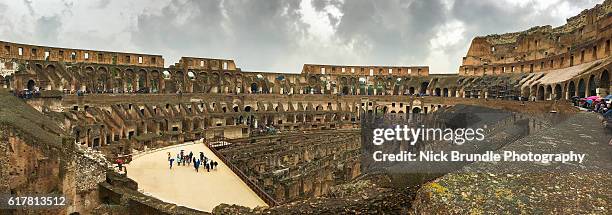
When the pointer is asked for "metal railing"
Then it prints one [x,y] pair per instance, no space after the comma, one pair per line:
[258,190]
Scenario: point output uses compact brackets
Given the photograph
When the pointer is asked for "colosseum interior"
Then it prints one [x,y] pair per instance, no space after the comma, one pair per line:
[294,137]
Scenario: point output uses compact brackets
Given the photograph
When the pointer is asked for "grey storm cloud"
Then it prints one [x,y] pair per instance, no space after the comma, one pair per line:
[48,28]
[255,32]
[392,28]
[281,35]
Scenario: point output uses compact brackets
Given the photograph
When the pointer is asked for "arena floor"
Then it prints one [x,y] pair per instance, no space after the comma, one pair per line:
[182,185]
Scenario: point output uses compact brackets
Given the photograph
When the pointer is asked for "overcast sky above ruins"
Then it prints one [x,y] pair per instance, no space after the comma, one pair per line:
[277,35]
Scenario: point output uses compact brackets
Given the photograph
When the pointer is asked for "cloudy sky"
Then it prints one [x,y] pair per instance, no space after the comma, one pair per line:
[281,35]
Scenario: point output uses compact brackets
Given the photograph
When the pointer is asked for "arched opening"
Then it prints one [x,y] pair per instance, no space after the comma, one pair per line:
[592,86]
[547,94]
[558,92]
[129,80]
[155,81]
[416,110]
[247,109]
[142,80]
[534,92]
[345,90]
[581,89]
[31,85]
[423,89]
[254,88]
[540,93]
[525,93]
[604,83]
[437,92]
[445,92]
[571,90]
[411,91]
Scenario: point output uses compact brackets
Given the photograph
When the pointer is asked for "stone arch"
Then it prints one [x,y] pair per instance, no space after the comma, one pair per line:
[142,79]
[540,94]
[571,90]
[155,81]
[416,110]
[90,78]
[558,92]
[200,83]
[445,92]
[102,82]
[548,92]
[117,78]
[423,89]
[31,86]
[592,86]
[533,92]
[581,88]
[526,92]
[179,80]
[437,92]
[129,80]
[604,83]
[265,88]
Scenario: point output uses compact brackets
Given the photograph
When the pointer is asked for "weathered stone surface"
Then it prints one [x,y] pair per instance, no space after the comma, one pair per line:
[529,187]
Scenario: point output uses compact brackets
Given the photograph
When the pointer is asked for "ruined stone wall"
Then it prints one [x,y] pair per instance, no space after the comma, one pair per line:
[585,38]
[46,53]
[29,169]
[298,166]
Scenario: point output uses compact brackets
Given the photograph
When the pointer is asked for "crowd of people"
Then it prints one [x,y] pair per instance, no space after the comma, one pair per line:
[602,105]
[28,94]
[183,159]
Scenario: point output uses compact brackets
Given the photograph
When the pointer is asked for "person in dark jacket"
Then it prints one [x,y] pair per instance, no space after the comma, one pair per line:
[196,165]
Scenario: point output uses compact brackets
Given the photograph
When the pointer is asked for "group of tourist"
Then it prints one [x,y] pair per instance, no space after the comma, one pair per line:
[183,159]
[28,94]
[595,104]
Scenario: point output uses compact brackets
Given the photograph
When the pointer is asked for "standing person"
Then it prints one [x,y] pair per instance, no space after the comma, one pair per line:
[216,164]
[201,156]
[171,160]
[169,156]
[196,164]
[119,162]
[207,166]
[183,156]
[190,155]
[178,159]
